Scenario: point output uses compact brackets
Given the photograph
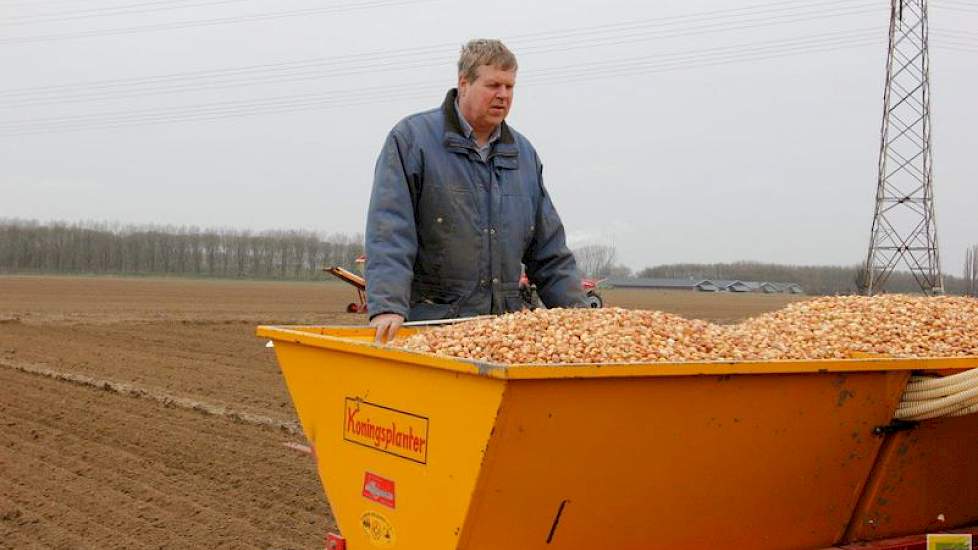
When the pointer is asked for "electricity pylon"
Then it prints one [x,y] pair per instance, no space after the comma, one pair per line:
[904,226]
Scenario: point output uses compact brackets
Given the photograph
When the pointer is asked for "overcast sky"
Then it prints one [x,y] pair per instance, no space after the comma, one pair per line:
[680,131]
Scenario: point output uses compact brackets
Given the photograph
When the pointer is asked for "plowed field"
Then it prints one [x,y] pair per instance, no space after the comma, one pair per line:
[143,413]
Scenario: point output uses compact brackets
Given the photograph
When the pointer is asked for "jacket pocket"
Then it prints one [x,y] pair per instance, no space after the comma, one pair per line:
[433,302]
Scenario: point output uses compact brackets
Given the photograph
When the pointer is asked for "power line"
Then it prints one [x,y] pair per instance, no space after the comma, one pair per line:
[657,22]
[955,39]
[956,35]
[667,57]
[957,2]
[19,3]
[722,14]
[662,21]
[957,8]
[127,9]
[727,58]
[368,4]
[956,46]
[429,56]
[158,5]
[323,61]
[347,98]
[558,41]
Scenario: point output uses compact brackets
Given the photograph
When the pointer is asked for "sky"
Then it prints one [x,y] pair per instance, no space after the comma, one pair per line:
[675,131]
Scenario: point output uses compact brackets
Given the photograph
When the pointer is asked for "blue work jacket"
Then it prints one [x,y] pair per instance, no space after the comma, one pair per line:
[448,234]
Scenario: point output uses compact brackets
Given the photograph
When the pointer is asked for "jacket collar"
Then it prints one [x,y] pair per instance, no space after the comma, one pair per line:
[453,127]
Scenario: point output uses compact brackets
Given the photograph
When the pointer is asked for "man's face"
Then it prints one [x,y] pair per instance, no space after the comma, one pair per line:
[485,102]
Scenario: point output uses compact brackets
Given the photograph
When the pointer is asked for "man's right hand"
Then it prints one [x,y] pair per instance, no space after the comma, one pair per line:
[387,326]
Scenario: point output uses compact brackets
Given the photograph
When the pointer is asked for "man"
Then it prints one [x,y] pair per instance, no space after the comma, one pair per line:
[458,208]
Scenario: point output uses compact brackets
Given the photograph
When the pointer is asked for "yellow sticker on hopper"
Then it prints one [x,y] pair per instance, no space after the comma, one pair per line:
[948,542]
[378,529]
[387,430]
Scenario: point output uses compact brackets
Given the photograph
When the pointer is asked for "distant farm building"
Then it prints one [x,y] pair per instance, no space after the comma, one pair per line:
[733,286]
[766,288]
[789,288]
[705,285]
[664,284]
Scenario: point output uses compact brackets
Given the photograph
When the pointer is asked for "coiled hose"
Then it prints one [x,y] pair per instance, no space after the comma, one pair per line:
[927,397]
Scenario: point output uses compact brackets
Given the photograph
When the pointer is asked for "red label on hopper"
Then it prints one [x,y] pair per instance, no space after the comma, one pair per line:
[378,489]
[387,430]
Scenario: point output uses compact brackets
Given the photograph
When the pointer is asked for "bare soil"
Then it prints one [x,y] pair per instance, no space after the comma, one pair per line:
[144,413]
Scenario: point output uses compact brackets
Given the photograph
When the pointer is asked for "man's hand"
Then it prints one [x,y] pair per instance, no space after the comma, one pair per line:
[387,326]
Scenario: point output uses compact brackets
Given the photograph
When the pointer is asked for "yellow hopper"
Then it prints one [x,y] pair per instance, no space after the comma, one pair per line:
[420,452]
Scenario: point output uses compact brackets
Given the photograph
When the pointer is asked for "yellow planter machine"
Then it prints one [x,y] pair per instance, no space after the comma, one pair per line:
[421,452]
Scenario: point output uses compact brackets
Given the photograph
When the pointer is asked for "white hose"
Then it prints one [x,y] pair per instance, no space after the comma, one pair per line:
[923,395]
[940,412]
[927,398]
[918,383]
[932,400]
[935,408]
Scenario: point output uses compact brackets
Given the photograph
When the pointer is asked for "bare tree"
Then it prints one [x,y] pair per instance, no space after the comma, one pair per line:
[618,271]
[861,280]
[595,260]
[971,270]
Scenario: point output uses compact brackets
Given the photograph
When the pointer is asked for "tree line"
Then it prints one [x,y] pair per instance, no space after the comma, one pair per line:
[598,261]
[818,280]
[101,248]
[28,246]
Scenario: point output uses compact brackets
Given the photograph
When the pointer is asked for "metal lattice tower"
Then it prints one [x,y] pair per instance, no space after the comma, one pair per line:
[904,227]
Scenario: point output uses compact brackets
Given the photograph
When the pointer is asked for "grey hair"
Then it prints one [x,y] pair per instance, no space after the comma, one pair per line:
[484,51]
